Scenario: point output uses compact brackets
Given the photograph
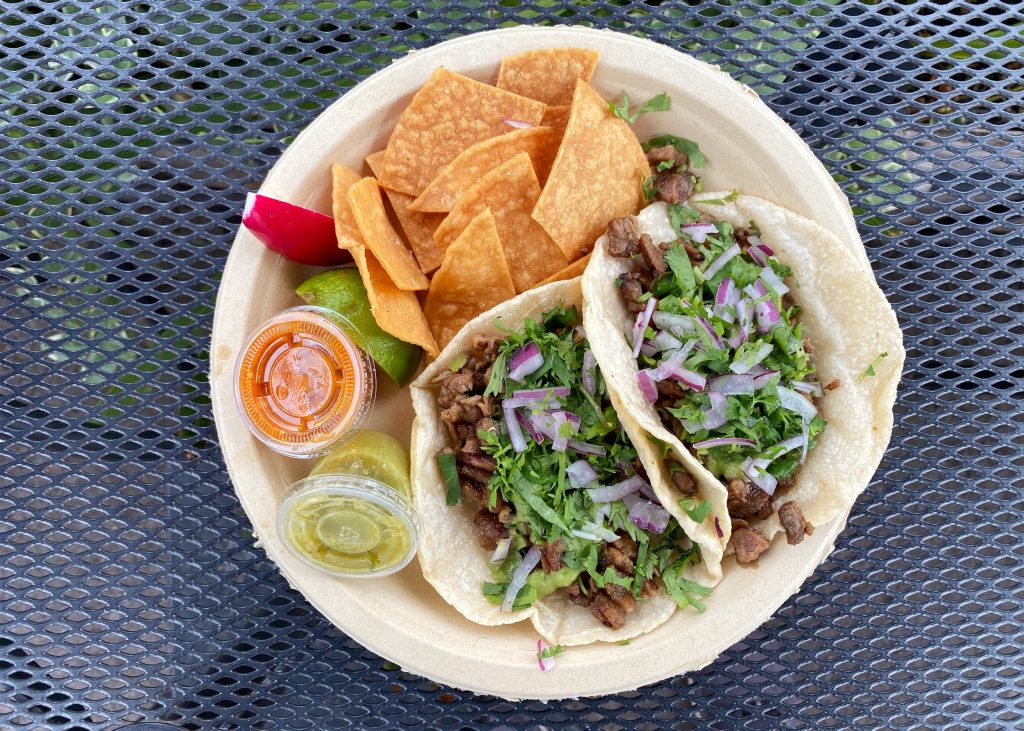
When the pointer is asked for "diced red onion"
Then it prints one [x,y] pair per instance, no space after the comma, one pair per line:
[590,372]
[689,379]
[642,321]
[793,401]
[714,417]
[733,385]
[528,425]
[767,316]
[545,663]
[595,532]
[647,385]
[725,442]
[786,445]
[501,550]
[699,232]
[757,471]
[807,440]
[718,528]
[519,576]
[706,326]
[534,396]
[745,364]
[601,512]
[648,349]
[677,324]
[758,256]
[619,490]
[559,440]
[762,379]
[646,515]
[673,362]
[517,124]
[720,261]
[726,299]
[580,473]
[811,387]
[772,281]
[584,448]
[664,341]
[525,361]
[515,434]
[756,290]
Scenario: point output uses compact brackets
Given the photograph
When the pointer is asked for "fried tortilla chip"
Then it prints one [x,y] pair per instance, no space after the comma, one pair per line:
[381,239]
[556,117]
[547,74]
[418,227]
[570,272]
[448,114]
[597,175]
[396,311]
[510,191]
[473,277]
[345,228]
[473,163]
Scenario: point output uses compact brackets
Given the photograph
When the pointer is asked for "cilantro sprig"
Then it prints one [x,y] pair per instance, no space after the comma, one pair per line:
[870,370]
[660,103]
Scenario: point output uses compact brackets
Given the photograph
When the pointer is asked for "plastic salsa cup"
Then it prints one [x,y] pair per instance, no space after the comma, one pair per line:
[302,385]
[353,515]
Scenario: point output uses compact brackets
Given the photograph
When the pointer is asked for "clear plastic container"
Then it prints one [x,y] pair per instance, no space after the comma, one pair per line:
[302,385]
[353,516]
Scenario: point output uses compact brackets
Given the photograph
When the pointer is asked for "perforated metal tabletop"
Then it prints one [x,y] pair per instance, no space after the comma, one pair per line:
[129,587]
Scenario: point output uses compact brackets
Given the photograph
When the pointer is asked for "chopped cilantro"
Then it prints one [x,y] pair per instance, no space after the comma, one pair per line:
[649,190]
[683,145]
[680,215]
[721,201]
[870,370]
[450,475]
[660,103]
[685,592]
[551,651]
[622,642]
[679,262]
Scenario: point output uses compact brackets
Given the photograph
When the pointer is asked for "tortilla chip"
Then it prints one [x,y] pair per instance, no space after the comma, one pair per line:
[418,227]
[556,117]
[448,114]
[396,311]
[381,239]
[570,272]
[473,163]
[473,277]
[345,228]
[510,191]
[597,175]
[547,74]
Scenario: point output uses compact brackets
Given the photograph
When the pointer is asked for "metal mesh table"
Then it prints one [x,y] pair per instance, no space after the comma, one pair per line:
[129,587]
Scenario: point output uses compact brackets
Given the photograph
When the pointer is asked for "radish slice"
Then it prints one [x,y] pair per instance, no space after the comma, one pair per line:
[519,576]
[294,232]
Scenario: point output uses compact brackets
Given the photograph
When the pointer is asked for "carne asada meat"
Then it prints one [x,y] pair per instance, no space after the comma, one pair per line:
[492,530]
[794,523]
[551,556]
[749,545]
[684,482]
[748,501]
[624,236]
[632,290]
[673,187]
[653,254]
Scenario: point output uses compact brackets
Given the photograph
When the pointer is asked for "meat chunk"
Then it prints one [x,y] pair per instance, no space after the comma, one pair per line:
[749,545]
[794,523]
[626,545]
[473,492]
[612,556]
[474,473]
[653,255]
[483,351]
[684,482]
[454,385]
[748,501]
[551,556]
[621,596]
[632,290]
[491,529]
[673,187]
[693,253]
[624,236]
[480,461]
[832,385]
[671,390]
[666,153]
[608,611]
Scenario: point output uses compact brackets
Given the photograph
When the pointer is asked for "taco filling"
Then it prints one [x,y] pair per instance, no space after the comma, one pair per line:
[561,501]
[720,349]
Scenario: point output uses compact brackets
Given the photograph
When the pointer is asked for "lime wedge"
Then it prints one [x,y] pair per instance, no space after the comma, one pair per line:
[342,291]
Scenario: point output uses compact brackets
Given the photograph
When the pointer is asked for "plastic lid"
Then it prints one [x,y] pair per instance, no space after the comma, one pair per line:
[302,384]
[348,525]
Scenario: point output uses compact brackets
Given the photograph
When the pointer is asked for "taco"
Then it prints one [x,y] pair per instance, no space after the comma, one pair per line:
[747,344]
[534,501]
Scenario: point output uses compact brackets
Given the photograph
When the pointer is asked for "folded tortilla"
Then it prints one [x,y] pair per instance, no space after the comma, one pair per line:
[845,316]
[449,553]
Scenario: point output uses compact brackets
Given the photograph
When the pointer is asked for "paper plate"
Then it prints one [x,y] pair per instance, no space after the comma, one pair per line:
[401,617]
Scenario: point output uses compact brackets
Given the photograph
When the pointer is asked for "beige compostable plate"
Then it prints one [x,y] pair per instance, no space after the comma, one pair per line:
[401,617]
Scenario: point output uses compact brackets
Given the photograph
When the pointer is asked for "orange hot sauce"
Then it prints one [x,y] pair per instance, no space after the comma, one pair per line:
[301,383]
